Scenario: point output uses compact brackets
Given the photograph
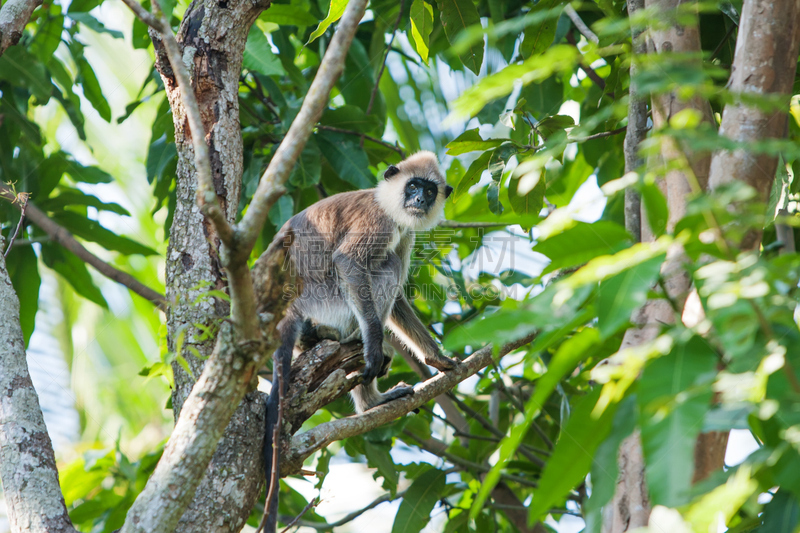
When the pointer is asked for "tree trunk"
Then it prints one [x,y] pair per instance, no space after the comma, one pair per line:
[212,36]
[27,462]
[630,507]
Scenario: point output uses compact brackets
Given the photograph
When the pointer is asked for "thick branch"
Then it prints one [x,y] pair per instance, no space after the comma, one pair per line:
[305,444]
[637,128]
[764,64]
[14,15]
[65,239]
[227,375]
[270,188]
[27,462]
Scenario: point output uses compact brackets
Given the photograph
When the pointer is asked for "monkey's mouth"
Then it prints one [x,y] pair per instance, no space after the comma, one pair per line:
[416,211]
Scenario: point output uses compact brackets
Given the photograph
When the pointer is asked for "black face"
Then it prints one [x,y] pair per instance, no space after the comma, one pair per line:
[420,196]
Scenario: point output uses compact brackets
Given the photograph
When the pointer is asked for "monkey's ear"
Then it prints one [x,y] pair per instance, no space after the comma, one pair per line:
[447,190]
[391,171]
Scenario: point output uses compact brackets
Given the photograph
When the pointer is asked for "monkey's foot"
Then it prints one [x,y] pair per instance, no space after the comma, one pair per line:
[440,362]
[398,391]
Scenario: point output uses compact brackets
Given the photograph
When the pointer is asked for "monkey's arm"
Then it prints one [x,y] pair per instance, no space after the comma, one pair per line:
[355,281]
[409,329]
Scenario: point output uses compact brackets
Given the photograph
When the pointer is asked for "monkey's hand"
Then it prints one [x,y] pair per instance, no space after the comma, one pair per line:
[440,362]
[373,366]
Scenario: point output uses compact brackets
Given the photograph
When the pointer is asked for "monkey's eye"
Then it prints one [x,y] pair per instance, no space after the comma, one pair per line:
[429,193]
[412,187]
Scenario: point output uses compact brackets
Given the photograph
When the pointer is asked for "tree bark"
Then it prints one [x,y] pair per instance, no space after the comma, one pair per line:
[14,15]
[630,507]
[27,461]
[212,37]
[765,63]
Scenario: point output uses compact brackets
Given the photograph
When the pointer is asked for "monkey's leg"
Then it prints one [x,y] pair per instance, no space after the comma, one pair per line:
[366,397]
[355,278]
[409,329]
[289,329]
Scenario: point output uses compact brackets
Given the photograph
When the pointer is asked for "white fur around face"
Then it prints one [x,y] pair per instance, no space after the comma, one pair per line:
[390,192]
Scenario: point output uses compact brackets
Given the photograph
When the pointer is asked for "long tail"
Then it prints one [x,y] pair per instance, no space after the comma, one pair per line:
[289,329]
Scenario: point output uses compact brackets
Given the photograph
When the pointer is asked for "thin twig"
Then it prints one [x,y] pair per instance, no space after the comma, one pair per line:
[385,56]
[312,503]
[590,72]
[144,15]
[600,135]
[351,516]
[270,187]
[580,25]
[63,237]
[367,137]
[453,224]
[22,201]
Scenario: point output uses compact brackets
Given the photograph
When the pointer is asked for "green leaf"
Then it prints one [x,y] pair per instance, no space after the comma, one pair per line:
[288,15]
[335,12]
[583,242]
[524,199]
[72,269]
[351,117]
[258,55]
[92,90]
[674,396]
[620,295]
[346,157]
[472,175]
[471,141]
[656,208]
[82,6]
[458,15]
[550,125]
[539,37]
[572,456]
[84,174]
[378,456]
[48,37]
[782,513]
[91,230]
[93,24]
[493,196]
[307,171]
[415,509]
[281,211]
[421,27]
[68,197]
[558,58]
[23,269]
[21,68]
[160,154]
[569,354]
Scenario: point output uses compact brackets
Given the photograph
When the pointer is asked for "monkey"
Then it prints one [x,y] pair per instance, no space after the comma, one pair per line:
[352,252]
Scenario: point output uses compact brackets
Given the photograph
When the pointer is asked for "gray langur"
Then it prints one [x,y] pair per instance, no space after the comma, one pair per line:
[352,253]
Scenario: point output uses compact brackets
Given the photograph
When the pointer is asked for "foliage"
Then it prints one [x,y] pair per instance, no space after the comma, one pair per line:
[523,147]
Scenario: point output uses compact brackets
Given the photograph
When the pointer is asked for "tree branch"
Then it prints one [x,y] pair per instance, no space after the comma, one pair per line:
[580,25]
[270,188]
[65,239]
[305,444]
[27,462]
[14,15]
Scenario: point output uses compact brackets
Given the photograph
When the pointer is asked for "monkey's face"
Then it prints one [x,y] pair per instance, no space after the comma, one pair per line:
[420,196]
